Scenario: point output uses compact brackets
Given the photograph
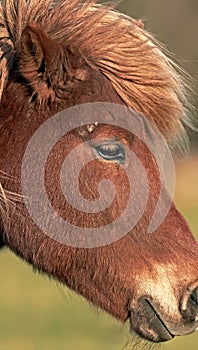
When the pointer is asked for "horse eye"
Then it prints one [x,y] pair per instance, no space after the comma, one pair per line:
[111,152]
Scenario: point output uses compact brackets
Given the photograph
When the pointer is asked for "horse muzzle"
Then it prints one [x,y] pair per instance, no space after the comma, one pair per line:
[149,321]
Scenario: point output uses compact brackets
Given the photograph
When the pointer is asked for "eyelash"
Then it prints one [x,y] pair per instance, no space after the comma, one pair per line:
[111,152]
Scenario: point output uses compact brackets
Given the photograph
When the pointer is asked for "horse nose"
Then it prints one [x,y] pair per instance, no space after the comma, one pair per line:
[189,304]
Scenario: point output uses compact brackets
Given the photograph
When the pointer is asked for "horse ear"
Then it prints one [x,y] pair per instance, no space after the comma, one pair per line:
[46,65]
[38,56]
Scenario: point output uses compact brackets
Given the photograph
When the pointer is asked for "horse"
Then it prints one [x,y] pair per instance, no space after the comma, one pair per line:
[63,61]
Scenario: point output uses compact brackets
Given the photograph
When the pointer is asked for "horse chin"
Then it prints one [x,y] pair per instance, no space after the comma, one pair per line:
[150,325]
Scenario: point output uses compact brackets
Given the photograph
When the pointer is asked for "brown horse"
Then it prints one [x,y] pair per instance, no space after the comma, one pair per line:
[74,53]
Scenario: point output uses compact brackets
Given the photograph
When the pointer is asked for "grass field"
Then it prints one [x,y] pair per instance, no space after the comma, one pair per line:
[37,314]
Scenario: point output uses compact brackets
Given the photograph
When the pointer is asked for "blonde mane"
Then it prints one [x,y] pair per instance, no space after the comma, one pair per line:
[8,201]
[3,209]
[141,73]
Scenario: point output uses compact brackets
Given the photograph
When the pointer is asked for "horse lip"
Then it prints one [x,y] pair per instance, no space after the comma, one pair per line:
[156,322]
[172,328]
[150,324]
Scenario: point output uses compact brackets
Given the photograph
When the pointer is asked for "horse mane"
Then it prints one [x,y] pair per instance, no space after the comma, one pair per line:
[3,209]
[8,200]
[141,73]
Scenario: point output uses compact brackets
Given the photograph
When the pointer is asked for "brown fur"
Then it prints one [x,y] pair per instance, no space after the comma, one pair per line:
[49,63]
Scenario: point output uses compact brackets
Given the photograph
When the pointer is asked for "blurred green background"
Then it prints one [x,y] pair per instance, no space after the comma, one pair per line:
[38,314]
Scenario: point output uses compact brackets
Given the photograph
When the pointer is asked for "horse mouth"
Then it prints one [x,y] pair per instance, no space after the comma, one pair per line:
[150,325]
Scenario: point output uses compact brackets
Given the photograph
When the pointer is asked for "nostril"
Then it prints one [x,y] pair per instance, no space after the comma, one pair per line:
[189,304]
[194,296]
